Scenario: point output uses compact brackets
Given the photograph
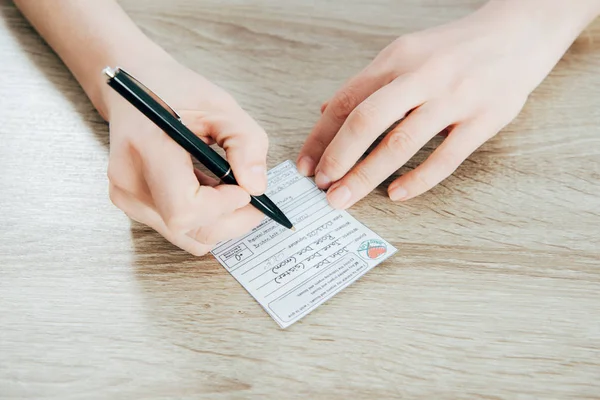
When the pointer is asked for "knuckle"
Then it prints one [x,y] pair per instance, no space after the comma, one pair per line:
[406,44]
[361,177]
[423,180]
[177,222]
[467,86]
[114,177]
[207,236]
[118,198]
[383,68]
[436,76]
[315,144]
[414,83]
[448,162]
[343,104]
[400,141]
[431,111]
[361,117]
[114,195]
[332,166]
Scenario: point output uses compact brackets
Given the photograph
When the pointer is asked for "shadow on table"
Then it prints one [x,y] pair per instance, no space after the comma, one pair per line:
[189,298]
[158,263]
[155,254]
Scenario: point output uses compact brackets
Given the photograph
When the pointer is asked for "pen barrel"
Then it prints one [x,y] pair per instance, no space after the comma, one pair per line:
[201,151]
[171,125]
[229,179]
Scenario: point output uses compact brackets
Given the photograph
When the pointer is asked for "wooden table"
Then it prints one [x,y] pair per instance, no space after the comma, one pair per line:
[494,293]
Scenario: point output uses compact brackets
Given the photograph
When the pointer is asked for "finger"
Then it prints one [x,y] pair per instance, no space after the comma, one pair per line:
[244,141]
[365,124]
[231,226]
[189,244]
[204,179]
[180,200]
[396,148]
[246,146]
[324,107]
[208,206]
[132,207]
[198,123]
[125,164]
[338,108]
[462,141]
[146,215]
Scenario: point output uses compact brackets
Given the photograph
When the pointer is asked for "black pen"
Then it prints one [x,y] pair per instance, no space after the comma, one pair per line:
[159,112]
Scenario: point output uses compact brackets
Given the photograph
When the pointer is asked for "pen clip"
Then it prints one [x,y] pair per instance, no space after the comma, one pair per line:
[112,72]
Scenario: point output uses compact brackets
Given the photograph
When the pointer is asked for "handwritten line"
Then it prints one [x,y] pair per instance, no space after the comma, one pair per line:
[309,205]
[270,221]
[356,274]
[292,256]
[284,285]
[281,241]
[286,207]
[307,259]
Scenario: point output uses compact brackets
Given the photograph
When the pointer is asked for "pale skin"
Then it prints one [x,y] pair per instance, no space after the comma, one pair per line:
[469,78]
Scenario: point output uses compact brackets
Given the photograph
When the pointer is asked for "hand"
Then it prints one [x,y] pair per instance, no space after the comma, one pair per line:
[152,179]
[470,77]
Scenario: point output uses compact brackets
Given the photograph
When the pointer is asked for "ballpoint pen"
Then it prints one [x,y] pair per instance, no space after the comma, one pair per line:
[159,112]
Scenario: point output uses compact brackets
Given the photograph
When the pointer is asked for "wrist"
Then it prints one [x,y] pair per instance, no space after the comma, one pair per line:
[538,27]
[146,57]
[89,35]
[561,20]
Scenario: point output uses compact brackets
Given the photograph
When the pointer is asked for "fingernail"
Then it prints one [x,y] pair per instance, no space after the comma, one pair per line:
[398,193]
[339,196]
[306,166]
[322,180]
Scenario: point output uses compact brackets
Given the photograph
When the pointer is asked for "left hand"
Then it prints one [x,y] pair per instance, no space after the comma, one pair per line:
[470,77]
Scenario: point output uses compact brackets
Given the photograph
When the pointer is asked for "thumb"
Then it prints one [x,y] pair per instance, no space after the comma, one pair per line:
[246,145]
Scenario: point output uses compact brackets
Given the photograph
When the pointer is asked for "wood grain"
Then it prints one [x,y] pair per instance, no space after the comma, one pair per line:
[495,292]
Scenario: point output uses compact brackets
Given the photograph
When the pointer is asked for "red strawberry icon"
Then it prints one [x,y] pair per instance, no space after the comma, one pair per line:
[375,251]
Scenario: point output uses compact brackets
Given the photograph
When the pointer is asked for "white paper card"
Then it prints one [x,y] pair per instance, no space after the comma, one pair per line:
[292,273]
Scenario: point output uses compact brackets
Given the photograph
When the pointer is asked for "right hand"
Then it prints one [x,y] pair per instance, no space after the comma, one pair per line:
[152,179]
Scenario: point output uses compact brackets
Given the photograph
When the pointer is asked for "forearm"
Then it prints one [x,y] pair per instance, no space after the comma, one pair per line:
[567,18]
[88,35]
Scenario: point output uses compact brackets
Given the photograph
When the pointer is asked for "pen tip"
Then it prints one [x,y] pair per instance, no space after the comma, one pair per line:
[293,229]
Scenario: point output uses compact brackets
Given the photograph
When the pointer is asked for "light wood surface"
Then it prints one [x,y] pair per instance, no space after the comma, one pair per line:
[494,293]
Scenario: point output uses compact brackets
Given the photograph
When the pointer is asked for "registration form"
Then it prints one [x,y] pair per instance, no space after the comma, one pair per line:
[292,273]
